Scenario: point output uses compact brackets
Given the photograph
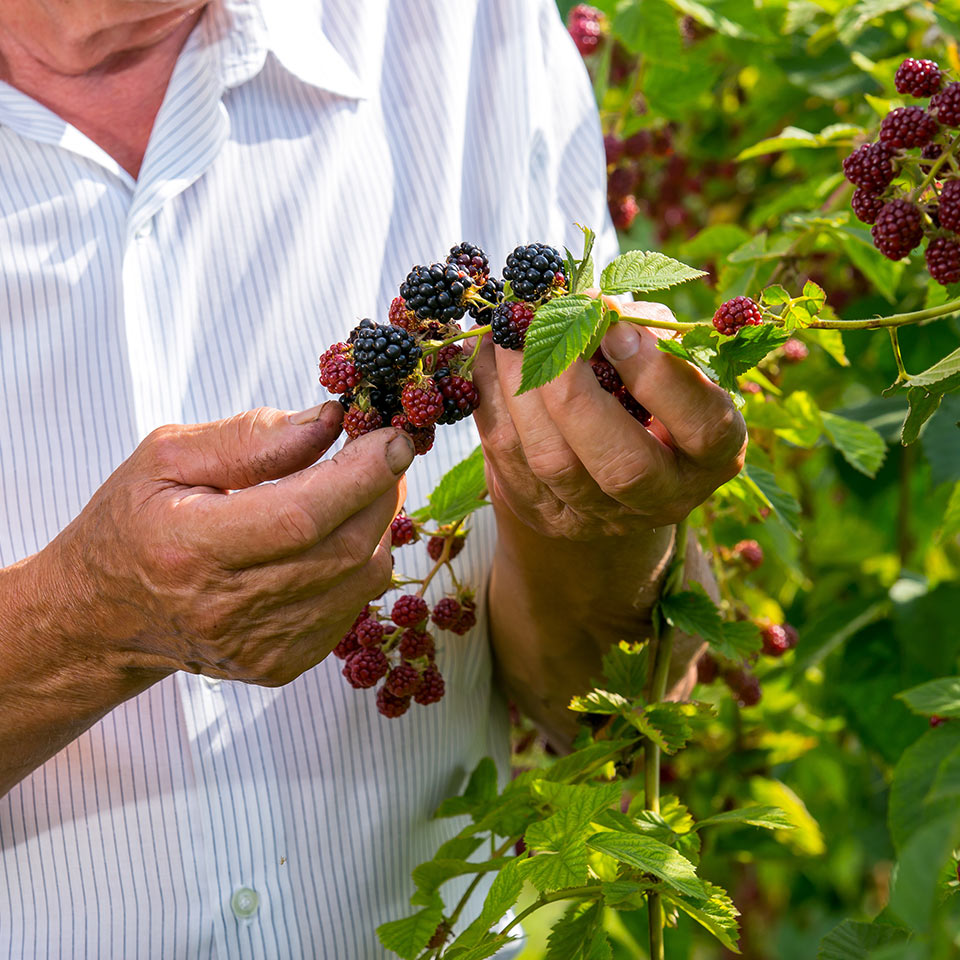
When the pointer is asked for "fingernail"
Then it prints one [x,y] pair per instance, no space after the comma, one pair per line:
[621,342]
[400,453]
[311,414]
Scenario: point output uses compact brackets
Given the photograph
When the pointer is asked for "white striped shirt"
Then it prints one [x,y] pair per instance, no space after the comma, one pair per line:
[303,159]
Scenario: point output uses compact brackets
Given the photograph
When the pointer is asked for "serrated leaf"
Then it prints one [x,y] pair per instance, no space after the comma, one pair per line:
[694,613]
[503,893]
[711,19]
[940,697]
[641,271]
[461,490]
[923,406]
[651,856]
[852,940]
[408,936]
[609,316]
[554,870]
[951,517]
[557,335]
[584,277]
[617,893]
[574,932]
[759,815]
[432,874]
[458,848]
[740,639]
[480,791]
[764,484]
[574,764]
[942,377]
[716,913]
[832,342]
[805,837]
[482,951]
[625,668]
[861,446]
[600,701]
[738,354]
[774,295]
[667,725]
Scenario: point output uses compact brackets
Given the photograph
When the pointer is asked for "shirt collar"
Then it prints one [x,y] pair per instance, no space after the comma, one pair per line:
[243,32]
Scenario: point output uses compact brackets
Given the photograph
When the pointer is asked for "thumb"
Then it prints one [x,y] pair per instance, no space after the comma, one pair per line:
[246,449]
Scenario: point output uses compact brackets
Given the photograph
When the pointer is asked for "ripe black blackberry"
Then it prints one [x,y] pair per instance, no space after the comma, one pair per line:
[606,375]
[383,353]
[899,228]
[735,314]
[866,205]
[918,78]
[908,127]
[385,400]
[943,260]
[437,292]
[469,257]
[534,271]
[948,209]
[509,324]
[460,396]
[488,298]
[870,167]
[946,105]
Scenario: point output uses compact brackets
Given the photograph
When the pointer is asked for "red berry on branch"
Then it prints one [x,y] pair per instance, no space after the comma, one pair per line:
[337,372]
[633,406]
[948,209]
[400,315]
[422,403]
[583,22]
[943,260]
[348,645]
[613,148]
[908,127]
[932,151]
[432,688]
[391,705]
[735,314]
[621,182]
[624,211]
[898,230]
[793,638]
[365,667]
[870,167]
[509,324]
[357,422]
[935,721]
[409,610]
[946,105]
[460,396]
[435,547]
[422,437]
[866,205]
[744,686]
[917,78]
[467,619]
[775,642]
[795,351]
[403,681]
[707,668]
[750,552]
[369,633]
[446,613]
[415,644]
[402,530]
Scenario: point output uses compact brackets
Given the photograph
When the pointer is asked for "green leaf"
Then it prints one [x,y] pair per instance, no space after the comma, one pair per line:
[583,279]
[951,518]
[943,376]
[573,934]
[694,613]
[503,893]
[882,273]
[947,781]
[458,848]
[560,330]
[432,874]
[716,913]
[740,639]
[852,940]
[667,724]
[796,138]
[574,764]
[759,815]
[832,342]
[738,354]
[651,856]
[609,316]
[649,28]
[862,447]
[553,870]
[764,484]
[600,701]
[480,792]
[641,271]
[625,668]
[774,296]
[805,838]
[408,936]
[709,18]
[923,406]
[714,241]
[461,490]
[940,697]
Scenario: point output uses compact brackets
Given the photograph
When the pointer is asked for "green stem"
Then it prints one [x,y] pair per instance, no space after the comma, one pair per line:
[937,164]
[573,893]
[897,356]
[896,320]
[662,324]
[436,347]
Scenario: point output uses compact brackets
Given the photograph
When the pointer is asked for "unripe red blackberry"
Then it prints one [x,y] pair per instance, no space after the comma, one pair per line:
[366,667]
[613,148]
[735,314]
[946,105]
[606,374]
[793,638]
[624,211]
[943,260]
[467,619]
[935,721]
[534,271]
[409,610]
[899,228]
[908,127]
[435,547]
[509,324]
[707,668]
[449,356]
[870,167]
[866,205]
[391,705]
[348,645]
[750,552]
[422,437]
[415,644]
[931,152]
[775,643]
[918,78]
[446,612]
[337,371]
[432,688]
[437,292]
[383,353]
[469,257]
[948,209]
[460,396]
[422,402]
[621,182]
[400,315]
[795,351]
[403,681]
[357,422]
[633,406]
[369,632]
[583,23]
[744,686]
[402,530]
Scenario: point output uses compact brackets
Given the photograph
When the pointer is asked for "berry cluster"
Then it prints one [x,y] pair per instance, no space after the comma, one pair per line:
[908,182]
[396,646]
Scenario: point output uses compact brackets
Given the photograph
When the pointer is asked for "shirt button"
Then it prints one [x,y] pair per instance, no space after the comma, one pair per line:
[245,902]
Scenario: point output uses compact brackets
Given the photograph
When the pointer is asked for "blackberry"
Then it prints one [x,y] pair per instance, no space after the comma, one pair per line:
[735,314]
[750,552]
[390,705]
[744,686]
[337,371]
[416,644]
[870,166]
[534,271]
[403,681]
[624,211]
[437,292]
[918,78]
[793,638]
[460,396]
[385,400]
[409,610]
[946,105]
[795,351]
[633,406]
[470,258]
[621,182]
[449,356]
[775,643]
[943,260]
[866,205]
[707,669]
[931,152]
[402,530]
[583,23]
[935,721]
[509,324]
[369,633]
[382,353]
[949,206]
[446,613]
[400,315]
[613,147]
[348,645]
[606,374]
[422,402]
[435,547]
[908,127]
[357,422]
[489,298]
[422,437]
[899,228]
[638,144]
[467,619]
[432,688]
[366,667]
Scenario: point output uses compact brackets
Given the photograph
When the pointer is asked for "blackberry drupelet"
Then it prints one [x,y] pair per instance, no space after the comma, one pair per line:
[509,324]
[432,688]
[918,78]
[469,257]
[899,228]
[534,271]
[383,353]
[491,293]
[357,422]
[437,292]
[390,705]
[948,209]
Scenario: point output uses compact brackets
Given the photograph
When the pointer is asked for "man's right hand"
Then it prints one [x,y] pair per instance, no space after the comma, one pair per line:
[185,560]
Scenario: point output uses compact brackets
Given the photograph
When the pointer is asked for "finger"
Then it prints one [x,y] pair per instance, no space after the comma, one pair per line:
[287,517]
[699,415]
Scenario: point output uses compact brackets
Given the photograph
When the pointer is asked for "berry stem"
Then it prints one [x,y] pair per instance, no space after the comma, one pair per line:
[895,343]
[572,893]
[432,348]
[444,556]
[937,164]
[895,320]
[661,324]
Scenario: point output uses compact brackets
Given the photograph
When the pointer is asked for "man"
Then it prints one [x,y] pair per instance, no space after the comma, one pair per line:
[194,201]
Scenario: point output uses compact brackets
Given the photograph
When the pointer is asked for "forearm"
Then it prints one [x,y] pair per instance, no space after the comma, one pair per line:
[557,605]
[55,679]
